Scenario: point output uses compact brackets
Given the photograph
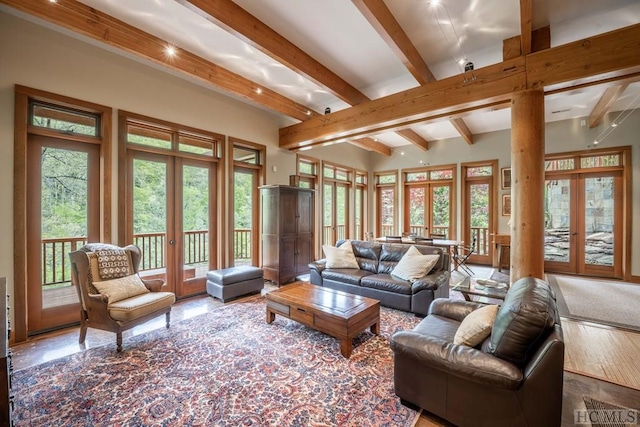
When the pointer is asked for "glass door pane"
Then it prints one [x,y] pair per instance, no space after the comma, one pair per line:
[150,216]
[387,210]
[327,230]
[342,211]
[441,210]
[557,222]
[62,215]
[479,210]
[416,211]
[244,190]
[195,228]
[599,215]
[359,235]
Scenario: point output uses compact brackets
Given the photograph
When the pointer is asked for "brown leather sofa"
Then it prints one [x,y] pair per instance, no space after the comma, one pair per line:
[514,378]
[374,280]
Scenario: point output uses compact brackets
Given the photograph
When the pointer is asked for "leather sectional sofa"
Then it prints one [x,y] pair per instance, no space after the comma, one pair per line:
[374,280]
[512,378]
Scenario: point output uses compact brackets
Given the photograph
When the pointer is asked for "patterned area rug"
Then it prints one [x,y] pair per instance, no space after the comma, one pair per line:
[224,368]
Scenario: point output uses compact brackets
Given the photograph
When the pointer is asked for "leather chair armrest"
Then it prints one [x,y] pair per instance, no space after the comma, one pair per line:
[431,282]
[318,265]
[459,360]
[154,285]
[453,309]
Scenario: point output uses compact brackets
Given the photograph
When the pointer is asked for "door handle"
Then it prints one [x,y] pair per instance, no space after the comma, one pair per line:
[172,242]
[574,234]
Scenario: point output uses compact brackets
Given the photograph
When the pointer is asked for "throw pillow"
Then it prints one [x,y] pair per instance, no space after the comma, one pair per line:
[413,265]
[341,257]
[476,327]
[121,288]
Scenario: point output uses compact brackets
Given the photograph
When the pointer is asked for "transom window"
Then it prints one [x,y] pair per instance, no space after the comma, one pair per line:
[63,120]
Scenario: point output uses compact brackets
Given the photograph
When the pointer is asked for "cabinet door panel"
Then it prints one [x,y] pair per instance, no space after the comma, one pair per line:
[304,254]
[305,212]
[288,212]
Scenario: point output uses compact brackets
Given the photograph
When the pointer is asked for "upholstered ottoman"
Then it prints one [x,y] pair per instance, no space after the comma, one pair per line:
[233,282]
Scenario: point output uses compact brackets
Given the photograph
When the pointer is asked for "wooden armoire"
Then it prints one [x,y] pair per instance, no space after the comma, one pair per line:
[287,232]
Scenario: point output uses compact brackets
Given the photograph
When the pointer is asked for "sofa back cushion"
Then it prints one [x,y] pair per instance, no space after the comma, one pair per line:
[523,321]
[367,254]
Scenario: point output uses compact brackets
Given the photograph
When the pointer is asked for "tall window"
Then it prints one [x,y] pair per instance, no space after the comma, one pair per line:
[336,184]
[307,170]
[429,201]
[62,188]
[386,199]
[360,205]
[248,171]
[170,182]
[479,213]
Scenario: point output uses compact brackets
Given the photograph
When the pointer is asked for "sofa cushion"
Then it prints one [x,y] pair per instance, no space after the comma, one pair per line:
[390,256]
[386,282]
[367,254]
[345,275]
[341,257]
[414,265]
[526,317]
[121,288]
[476,326]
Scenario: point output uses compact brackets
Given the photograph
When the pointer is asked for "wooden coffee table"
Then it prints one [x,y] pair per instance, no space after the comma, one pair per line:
[339,314]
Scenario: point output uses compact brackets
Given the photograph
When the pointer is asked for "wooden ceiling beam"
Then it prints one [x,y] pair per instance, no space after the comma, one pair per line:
[383,21]
[609,56]
[602,107]
[370,144]
[77,17]
[414,138]
[590,60]
[449,96]
[526,11]
[462,129]
[234,19]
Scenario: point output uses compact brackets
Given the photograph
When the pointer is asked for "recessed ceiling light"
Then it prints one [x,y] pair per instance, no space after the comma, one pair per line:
[402,153]
[596,142]
[435,2]
[53,1]
[308,112]
[258,90]
[170,50]
[462,61]
[614,124]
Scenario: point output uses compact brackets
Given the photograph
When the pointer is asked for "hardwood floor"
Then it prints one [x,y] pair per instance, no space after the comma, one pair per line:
[604,350]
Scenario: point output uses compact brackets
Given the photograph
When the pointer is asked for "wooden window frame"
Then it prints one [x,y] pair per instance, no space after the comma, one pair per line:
[314,181]
[452,182]
[22,128]
[378,208]
[260,168]
[364,188]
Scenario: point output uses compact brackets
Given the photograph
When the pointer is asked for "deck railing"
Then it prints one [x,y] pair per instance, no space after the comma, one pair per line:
[55,259]
[55,252]
[327,233]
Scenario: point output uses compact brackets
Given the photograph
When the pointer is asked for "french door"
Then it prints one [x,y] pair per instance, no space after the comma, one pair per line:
[63,213]
[336,212]
[245,215]
[428,209]
[583,223]
[479,202]
[170,217]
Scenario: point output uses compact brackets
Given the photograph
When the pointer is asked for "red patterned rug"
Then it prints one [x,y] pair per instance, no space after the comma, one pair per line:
[224,368]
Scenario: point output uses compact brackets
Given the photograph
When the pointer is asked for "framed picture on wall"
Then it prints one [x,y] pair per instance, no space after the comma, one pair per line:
[506,178]
[506,204]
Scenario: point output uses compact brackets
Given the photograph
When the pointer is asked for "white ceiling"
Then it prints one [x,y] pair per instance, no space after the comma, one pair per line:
[336,34]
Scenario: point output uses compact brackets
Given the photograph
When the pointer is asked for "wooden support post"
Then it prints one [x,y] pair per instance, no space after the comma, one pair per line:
[527,184]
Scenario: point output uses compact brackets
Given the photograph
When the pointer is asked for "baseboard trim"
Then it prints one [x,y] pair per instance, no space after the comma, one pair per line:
[635,279]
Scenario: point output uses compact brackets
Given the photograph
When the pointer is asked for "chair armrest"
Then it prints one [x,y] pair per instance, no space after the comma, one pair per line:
[431,282]
[98,299]
[154,285]
[465,362]
[318,266]
[453,309]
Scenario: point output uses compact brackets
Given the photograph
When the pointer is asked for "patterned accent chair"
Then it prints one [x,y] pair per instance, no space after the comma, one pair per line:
[112,295]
